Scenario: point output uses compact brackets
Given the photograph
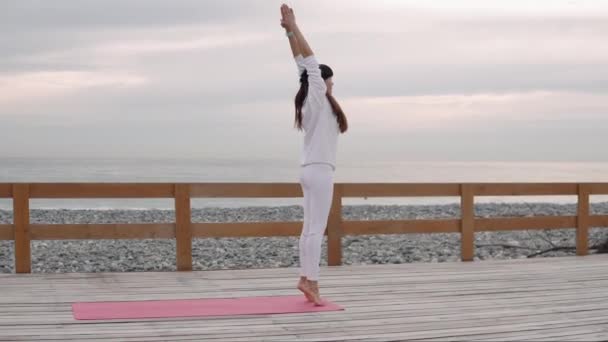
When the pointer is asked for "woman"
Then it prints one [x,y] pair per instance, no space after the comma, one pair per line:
[319,115]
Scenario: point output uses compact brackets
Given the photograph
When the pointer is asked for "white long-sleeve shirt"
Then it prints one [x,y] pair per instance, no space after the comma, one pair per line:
[318,120]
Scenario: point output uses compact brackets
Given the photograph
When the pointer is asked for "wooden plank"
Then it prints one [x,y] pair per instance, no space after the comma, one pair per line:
[467,228]
[598,188]
[399,189]
[593,335]
[415,270]
[183,227]
[6,190]
[101,190]
[598,221]
[499,290]
[524,223]
[400,226]
[164,190]
[384,293]
[21,219]
[385,297]
[524,189]
[545,334]
[398,331]
[494,287]
[7,232]
[246,229]
[356,327]
[334,229]
[582,229]
[245,190]
[102,231]
[481,285]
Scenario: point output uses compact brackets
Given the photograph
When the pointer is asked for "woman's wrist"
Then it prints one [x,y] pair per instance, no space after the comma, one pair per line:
[290,31]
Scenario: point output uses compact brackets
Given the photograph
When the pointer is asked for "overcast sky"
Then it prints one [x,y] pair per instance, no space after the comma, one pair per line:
[419,80]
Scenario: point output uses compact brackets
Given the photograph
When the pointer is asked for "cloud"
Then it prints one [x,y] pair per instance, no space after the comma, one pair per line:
[86,14]
[32,86]
[214,76]
[432,112]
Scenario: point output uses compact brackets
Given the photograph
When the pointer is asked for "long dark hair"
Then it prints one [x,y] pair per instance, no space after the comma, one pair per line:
[326,73]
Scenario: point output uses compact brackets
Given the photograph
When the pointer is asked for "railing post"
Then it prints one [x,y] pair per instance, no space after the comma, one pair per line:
[21,222]
[334,229]
[183,227]
[582,220]
[467,222]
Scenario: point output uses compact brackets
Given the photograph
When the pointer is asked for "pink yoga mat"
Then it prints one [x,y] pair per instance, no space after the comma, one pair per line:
[197,307]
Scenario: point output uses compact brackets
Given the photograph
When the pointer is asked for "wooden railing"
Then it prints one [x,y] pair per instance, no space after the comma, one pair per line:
[183,230]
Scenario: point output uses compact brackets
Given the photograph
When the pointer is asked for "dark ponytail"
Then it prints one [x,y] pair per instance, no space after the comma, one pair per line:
[340,116]
[300,97]
[326,73]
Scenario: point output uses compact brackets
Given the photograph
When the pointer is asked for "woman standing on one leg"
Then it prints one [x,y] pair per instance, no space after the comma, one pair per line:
[322,119]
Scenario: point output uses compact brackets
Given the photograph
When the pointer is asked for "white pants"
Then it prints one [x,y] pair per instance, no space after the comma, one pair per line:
[317,181]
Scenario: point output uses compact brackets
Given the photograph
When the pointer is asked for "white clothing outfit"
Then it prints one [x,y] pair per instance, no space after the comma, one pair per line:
[318,164]
[318,120]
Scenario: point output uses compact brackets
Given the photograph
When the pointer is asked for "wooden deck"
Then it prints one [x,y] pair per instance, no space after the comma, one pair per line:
[528,299]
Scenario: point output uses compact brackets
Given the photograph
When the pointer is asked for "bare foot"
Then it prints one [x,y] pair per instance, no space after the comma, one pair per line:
[316,297]
[303,287]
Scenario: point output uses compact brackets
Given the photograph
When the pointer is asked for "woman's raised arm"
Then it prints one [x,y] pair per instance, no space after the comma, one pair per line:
[298,43]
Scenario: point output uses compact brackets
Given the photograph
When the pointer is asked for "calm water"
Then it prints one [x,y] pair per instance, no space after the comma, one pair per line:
[38,170]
